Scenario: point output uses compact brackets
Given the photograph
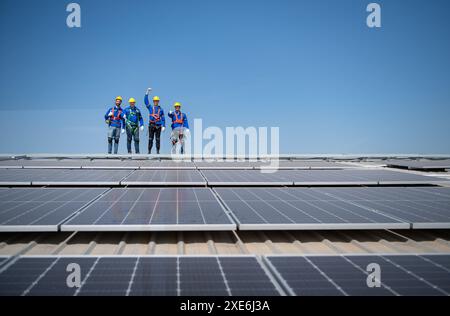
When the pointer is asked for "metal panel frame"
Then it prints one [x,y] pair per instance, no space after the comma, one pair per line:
[240,184]
[29,228]
[325,226]
[435,225]
[150,227]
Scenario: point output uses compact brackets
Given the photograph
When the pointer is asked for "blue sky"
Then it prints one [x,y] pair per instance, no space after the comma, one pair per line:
[312,68]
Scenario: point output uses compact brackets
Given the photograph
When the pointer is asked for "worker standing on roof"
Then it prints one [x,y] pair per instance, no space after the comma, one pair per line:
[133,123]
[116,125]
[180,127]
[157,122]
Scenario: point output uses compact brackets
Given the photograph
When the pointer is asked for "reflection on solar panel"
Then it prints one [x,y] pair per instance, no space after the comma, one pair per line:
[422,164]
[316,177]
[120,275]
[61,177]
[347,275]
[28,209]
[165,177]
[300,208]
[423,207]
[3,259]
[167,209]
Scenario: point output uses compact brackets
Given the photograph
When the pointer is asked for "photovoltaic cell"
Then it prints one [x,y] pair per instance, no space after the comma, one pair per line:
[403,275]
[152,275]
[141,209]
[43,209]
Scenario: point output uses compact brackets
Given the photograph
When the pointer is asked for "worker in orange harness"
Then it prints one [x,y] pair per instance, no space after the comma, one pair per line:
[180,127]
[157,122]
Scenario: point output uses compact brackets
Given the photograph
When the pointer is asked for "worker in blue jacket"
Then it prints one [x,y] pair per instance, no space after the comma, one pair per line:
[180,127]
[116,125]
[133,123]
[157,122]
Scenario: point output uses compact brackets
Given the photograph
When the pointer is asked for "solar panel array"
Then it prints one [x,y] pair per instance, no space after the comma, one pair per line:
[338,208]
[400,275]
[121,275]
[168,209]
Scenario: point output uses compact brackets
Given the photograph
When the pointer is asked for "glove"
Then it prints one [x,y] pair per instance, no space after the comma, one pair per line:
[163,129]
[141,128]
[110,113]
[148,90]
[170,112]
[107,122]
[123,131]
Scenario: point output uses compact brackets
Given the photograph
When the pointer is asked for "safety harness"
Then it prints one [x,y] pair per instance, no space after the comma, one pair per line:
[178,120]
[155,117]
[119,113]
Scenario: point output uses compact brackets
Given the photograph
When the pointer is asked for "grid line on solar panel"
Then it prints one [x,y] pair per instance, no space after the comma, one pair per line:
[138,275]
[299,208]
[153,209]
[43,209]
[324,274]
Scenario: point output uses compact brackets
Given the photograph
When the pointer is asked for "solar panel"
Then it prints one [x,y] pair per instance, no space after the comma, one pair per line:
[148,209]
[42,177]
[247,177]
[316,177]
[164,177]
[403,275]
[155,275]
[300,209]
[30,209]
[420,164]
[423,207]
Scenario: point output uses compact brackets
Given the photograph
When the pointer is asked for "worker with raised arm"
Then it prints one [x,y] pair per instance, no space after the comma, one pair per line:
[133,123]
[157,122]
[180,127]
[116,125]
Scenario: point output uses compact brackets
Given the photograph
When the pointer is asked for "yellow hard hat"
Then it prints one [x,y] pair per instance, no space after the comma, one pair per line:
[155,98]
[119,98]
[176,104]
[131,100]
